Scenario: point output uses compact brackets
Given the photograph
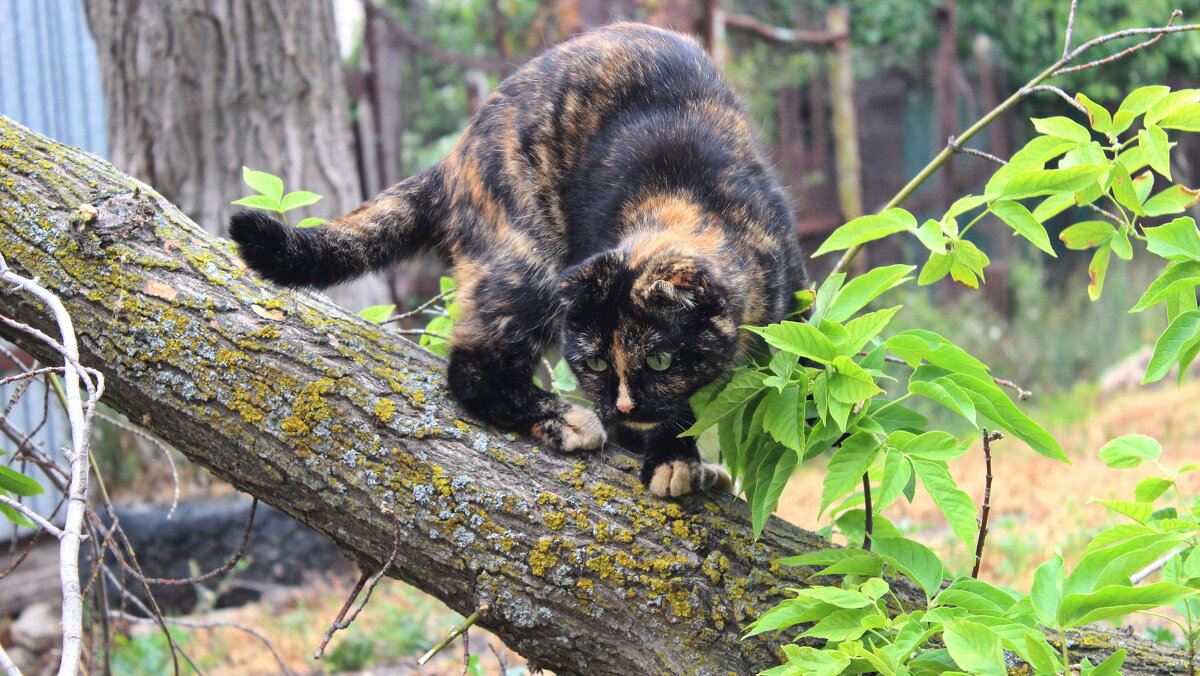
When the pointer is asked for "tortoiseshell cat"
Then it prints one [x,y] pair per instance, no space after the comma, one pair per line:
[610,194]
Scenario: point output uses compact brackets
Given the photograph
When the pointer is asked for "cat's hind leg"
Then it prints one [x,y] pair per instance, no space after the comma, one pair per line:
[503,329]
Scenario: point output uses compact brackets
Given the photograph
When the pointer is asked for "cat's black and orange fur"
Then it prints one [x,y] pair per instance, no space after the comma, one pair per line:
[610,195]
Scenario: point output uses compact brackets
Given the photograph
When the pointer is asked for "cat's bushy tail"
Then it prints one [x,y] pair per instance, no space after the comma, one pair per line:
[401,221]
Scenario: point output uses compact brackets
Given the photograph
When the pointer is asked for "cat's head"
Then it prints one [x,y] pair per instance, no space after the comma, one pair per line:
[642,334]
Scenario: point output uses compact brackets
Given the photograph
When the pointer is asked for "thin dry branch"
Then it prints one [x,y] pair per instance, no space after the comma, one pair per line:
[192,624]
[1157,32]
[32,516]
[338,624]
[986,508]
[781,34]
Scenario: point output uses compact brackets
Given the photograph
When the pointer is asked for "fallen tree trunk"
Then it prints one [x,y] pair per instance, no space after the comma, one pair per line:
[348,428]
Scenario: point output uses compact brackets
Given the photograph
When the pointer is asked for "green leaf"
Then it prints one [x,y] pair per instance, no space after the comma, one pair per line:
[835,596]
[955,505]
[1130,451]
[1124,191]
[14,482]
[1047,590]
[808,661]
[562,378]
[897,470]
[741,389]
[1098,271]
[1063,127]
[800,339]
[1171,344]
[1052,206]
[310,222]
[1138,511]
[865,564]
[267,184]
[1178,276]
[867,228]
[937,267]
[863,289]
[1109,667]
[930,234]
[916,561]
[259,202]
[788,613]
[1080,609]
[849,383]
[917,345]
[1177,240]
[1185,117]
[1047,181]
[1087,234]
[967,264]
[945,392]
[1020,219]
[377,313]
[846,467]
[1151,488]
[770,478]
[783,418]
[1098,116]
[1140,99]
[975,648]
[1034,155]
[15,516]
[840,625]
[862,329]
[993,404]
[300,198]
[1156,148]
[822,557]
[1173,200]
[1169,103]
[935,445]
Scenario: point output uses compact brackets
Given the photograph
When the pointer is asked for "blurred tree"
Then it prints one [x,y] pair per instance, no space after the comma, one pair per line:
[196,89]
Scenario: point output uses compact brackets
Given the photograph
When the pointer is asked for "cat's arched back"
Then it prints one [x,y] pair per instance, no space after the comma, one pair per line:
[611,197]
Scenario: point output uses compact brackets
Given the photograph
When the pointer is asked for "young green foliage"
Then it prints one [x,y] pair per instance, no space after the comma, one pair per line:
[270,196]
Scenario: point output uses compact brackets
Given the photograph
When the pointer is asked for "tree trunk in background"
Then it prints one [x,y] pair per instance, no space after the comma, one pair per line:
[197,88]
[347,427]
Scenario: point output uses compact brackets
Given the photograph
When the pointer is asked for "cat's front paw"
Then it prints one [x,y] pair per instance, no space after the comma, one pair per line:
[680,477]
[575,431]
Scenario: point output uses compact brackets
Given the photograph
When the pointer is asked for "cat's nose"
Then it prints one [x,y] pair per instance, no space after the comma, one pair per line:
[625,405]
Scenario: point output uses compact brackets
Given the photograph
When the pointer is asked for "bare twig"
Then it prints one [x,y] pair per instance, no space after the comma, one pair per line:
[501,658]
[749,24]
[869,518]
[1155,565]
[32,515]
[195,579]
[31,374]
[190,624]
[466,652]
[988,438]
[1158,34]
[418,309]
[1070,28]
[451,634]
[157,444]
[420,332]
[1026,91]
[952,143]
[1022,394]
[338,624]
[79,413]
[6,662]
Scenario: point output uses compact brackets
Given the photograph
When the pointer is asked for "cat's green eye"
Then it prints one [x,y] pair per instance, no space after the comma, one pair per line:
[659,362]
[596,364]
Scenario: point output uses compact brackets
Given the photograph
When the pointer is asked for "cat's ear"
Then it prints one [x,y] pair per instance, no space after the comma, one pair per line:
[591,278]
[680,284]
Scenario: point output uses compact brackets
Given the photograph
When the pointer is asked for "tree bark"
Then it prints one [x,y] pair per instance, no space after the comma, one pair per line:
[229,83]
[348,428]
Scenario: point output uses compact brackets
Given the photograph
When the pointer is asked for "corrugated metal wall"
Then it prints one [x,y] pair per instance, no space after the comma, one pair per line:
[49,82]
[49,77]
